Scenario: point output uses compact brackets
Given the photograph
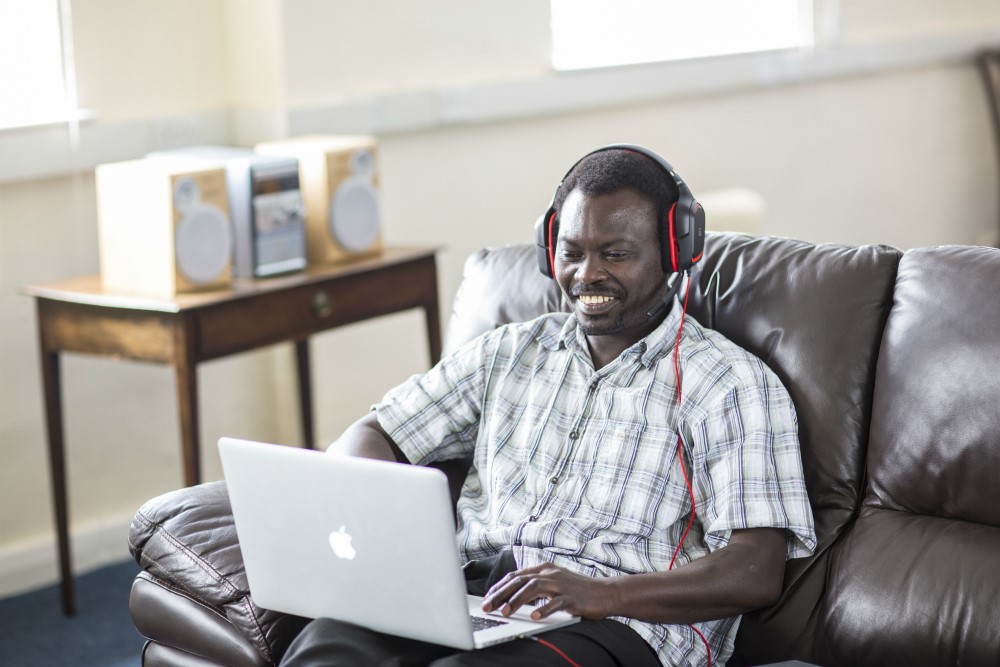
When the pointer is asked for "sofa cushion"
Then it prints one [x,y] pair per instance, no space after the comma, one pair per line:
[912,591]
[937,399]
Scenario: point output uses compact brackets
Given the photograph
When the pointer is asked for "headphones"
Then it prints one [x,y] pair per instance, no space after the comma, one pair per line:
[682,228]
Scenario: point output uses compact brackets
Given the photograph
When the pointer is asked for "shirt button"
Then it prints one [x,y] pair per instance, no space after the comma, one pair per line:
[532,518]
[574,435]
[553,480]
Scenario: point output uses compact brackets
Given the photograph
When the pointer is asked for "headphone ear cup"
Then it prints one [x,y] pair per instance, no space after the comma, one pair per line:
[545,241]
[698,233]
[687,231]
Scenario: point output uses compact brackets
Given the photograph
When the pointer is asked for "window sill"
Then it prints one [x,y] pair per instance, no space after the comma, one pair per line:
[54,120]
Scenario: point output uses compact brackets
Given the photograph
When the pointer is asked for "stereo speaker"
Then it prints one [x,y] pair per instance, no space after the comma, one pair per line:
[338,175]
[163,227]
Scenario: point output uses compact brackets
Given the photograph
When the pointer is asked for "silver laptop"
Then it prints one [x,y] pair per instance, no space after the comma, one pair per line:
[367,542]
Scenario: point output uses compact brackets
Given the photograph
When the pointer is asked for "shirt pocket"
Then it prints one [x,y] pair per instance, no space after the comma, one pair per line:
[629,474]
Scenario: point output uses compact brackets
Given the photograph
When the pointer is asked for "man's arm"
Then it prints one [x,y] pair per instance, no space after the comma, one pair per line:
[366,438]
[744,575]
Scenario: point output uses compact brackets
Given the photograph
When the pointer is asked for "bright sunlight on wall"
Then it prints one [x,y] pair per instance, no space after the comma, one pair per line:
[597,33]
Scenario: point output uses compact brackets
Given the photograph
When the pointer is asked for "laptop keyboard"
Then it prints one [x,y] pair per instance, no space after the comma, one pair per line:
[480,623]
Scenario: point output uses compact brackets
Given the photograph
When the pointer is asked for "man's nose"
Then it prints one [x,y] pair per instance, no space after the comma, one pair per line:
[591,270]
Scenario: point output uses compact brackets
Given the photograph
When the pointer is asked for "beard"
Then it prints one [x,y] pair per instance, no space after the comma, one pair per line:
[604,326]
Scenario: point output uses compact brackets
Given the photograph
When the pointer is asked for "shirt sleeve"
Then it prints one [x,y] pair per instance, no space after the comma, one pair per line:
[752,465]
[435,416]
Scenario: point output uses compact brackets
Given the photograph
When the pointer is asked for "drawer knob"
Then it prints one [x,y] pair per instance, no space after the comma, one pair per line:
[322,304]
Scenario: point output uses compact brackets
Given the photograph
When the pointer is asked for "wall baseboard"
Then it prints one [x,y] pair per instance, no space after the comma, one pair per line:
[33,563]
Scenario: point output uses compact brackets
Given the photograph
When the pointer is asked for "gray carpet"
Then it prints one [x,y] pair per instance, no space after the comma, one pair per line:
[34,632]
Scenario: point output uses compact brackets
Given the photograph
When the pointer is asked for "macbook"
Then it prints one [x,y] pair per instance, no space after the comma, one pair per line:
[367,542]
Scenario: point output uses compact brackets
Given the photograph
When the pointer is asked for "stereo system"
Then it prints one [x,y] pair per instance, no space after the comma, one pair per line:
[190,219]
[339,178]
[163,226]
[265,204]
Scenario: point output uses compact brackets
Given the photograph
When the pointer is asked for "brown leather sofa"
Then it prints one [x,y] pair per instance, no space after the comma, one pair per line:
[893,361]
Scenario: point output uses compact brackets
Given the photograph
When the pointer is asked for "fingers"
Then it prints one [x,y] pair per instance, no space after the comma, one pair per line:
[524,587]
[517,589]
[553,605]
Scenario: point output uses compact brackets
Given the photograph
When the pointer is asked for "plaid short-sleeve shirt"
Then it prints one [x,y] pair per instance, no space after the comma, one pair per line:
[579,467]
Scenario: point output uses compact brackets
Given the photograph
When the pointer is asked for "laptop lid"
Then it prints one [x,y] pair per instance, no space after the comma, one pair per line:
[367,542]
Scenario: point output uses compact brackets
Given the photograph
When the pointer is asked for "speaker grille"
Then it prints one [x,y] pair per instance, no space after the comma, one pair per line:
[354,215]
[203,244]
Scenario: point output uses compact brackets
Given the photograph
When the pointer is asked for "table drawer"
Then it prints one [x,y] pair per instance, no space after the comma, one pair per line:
[244,324]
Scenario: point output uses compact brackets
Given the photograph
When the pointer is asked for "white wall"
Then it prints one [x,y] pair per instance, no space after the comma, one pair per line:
[902,156]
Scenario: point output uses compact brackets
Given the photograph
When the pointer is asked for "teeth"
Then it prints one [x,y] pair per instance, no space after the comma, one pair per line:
[591,300]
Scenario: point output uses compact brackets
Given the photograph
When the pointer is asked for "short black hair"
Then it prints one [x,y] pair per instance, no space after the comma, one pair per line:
[607,171]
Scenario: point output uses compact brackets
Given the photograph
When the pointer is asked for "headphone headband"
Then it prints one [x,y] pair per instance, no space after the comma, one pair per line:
[682,227]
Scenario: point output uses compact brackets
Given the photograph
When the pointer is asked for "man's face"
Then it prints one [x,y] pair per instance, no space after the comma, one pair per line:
[607,262]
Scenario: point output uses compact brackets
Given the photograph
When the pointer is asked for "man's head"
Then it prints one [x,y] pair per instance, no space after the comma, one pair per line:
[620,221]
[682,220]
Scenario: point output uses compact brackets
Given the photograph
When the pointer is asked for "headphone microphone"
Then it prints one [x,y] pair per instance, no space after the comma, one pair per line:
[673,284]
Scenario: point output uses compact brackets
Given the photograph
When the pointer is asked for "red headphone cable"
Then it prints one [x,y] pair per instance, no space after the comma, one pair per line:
[680,455]
[555,648]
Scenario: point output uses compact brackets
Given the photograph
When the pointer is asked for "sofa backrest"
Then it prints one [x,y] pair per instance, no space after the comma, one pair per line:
[814,313]
[915,582]
[499,286]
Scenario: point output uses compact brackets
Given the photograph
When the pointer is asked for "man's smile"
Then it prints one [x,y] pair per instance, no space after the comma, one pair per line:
[594,299]
[596,304]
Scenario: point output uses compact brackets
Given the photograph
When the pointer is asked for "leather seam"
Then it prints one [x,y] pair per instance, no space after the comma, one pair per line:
[156,581]
[261,639]
[159,531]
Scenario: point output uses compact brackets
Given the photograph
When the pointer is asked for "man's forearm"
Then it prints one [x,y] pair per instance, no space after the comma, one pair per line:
[745,575]
[367,439]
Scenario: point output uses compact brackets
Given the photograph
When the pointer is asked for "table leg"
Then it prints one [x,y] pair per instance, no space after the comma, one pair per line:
[57,465]
[433,330]
[305,391]
[186,370]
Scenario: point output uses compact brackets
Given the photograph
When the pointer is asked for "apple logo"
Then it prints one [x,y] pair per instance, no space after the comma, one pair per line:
[340,542]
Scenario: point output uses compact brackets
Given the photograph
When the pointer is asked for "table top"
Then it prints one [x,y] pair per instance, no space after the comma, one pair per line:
[89,291]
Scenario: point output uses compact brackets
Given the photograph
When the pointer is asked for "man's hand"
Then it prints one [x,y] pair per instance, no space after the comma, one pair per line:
[746,574]
[566,591]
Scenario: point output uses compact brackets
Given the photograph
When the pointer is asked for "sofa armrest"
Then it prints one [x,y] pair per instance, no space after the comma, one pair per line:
[188,539]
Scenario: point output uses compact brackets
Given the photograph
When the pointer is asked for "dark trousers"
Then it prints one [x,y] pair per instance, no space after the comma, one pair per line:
[605,643]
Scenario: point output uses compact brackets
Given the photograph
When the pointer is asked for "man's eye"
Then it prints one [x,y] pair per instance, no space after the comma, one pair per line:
[571,256]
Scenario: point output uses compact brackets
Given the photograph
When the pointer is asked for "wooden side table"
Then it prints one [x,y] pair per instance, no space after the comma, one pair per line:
[78,315]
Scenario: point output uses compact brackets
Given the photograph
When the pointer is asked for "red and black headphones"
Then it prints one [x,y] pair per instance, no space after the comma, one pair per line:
[682,227]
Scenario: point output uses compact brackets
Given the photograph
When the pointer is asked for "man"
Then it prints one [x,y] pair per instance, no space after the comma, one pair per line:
[580,494]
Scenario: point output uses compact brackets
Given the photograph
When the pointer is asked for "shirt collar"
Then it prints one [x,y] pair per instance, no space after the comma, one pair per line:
[648,350]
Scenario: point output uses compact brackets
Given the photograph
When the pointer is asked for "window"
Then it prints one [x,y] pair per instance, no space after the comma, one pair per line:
[32,67]
[598,33]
